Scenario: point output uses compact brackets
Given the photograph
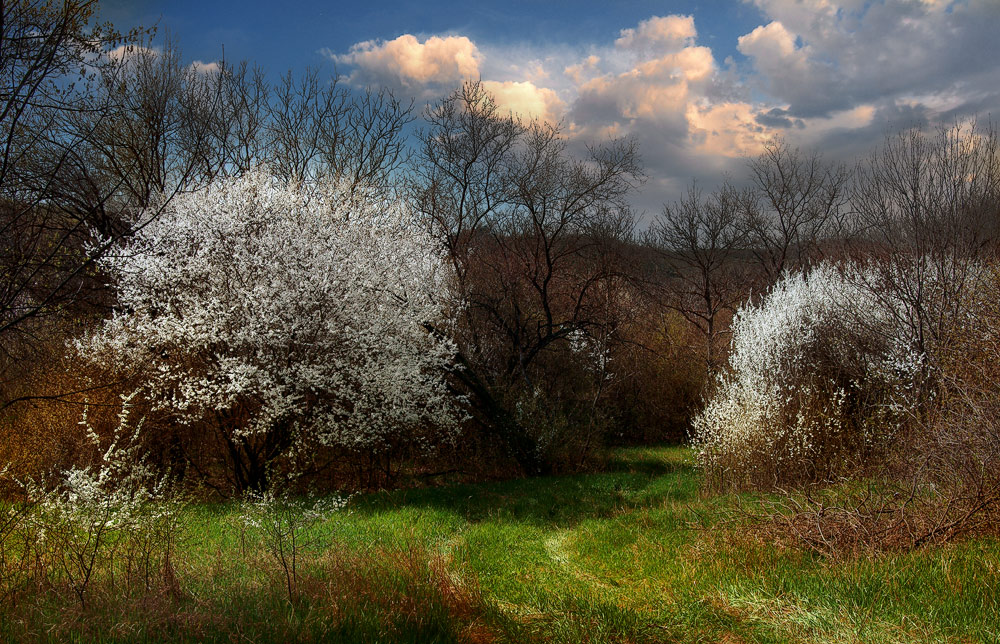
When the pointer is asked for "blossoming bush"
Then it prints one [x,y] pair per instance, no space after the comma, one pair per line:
[286,526]
[115,518]
[281,317]
[820,374]
[15,550]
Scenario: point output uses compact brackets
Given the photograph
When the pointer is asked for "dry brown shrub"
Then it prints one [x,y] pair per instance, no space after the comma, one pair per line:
[853,518]
[940,484]
[941,479]
[39,424]
[405,587]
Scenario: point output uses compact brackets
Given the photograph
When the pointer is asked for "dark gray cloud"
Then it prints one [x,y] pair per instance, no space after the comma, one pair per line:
[822,57]
[777,117]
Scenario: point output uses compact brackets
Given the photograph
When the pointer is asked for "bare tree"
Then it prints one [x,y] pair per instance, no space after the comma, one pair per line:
[48,52]
[531,233]
[299,110]
[369,148]
[315,129]
[239,131]
[797,201]
[927,205]
[145,132]
[43,48]
[700,238]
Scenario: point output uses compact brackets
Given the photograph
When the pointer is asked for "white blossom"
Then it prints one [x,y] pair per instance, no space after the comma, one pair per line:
[306,304]
[820,348]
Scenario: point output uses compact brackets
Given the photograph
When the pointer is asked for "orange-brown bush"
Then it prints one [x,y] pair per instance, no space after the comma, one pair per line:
[42,407]
[940,480]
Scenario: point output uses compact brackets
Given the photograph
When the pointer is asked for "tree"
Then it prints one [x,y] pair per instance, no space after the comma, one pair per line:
[44,47]
[48,50]
[143,125]
[927,206]
[282,316]
[315,129]
[532,234]
[137,130]
[796,202]
[700,238]
[143,131]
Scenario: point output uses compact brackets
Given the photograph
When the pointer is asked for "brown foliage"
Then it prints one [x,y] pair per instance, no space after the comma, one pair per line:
[941,479]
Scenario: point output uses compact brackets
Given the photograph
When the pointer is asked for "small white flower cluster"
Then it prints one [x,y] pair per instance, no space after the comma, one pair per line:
[305,304]
[819,365]
[114,514]
[111,494]
[276,512]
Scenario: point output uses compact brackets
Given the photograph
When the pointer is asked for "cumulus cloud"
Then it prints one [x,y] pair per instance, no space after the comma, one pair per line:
[827,56]
[787,70]
[832,74]
[653,76]
[654,81]
[527,100]
[430,68]
[583,70]
[672,95]
[770,45]
[726,129]
[408,63]
[658,34]
[656,89]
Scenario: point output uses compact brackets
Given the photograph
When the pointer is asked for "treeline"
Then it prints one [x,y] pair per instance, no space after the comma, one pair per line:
[540,247]
[305,281]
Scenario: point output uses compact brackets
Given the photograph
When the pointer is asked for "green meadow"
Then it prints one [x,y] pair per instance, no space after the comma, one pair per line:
[634,553]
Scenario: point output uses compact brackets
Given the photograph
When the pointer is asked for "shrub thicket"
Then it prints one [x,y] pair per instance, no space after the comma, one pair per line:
[819,381]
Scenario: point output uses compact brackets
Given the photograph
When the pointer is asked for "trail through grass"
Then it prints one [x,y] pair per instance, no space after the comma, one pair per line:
[633,554]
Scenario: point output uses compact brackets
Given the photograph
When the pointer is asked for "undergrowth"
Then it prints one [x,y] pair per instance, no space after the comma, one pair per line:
[636,553]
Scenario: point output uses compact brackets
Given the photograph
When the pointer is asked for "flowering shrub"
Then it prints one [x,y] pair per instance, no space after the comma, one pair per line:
[113,516]
[14,542]
[287,315]
[820,373]
[286,526]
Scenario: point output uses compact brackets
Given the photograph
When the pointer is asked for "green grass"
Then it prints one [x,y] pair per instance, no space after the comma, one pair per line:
[633,554]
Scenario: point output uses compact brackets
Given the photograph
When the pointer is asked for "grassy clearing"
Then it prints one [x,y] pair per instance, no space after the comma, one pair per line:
[633,554]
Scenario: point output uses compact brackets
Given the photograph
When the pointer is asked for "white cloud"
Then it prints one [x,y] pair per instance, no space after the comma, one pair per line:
[527,100]
[656,89]
[784,69]
[659,34]
[127,52]
[769,44]
[408,63]
[205,68]
[584,70]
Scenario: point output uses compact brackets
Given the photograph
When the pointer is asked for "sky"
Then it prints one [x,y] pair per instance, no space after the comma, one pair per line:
[700,85]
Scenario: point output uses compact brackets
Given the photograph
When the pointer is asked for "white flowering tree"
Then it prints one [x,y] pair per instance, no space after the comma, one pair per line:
[284,316]
[819,374]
